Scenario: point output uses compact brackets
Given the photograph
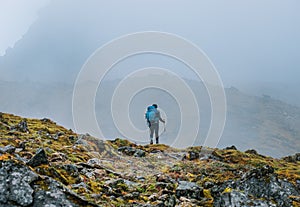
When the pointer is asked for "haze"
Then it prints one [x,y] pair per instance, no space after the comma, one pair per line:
[254,45]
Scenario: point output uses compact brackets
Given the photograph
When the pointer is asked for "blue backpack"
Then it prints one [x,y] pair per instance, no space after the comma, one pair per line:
[150,114]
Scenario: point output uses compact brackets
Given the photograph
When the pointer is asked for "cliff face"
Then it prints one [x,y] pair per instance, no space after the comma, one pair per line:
[43,164]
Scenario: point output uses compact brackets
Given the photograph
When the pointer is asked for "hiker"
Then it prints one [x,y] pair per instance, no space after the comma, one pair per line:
[153,117]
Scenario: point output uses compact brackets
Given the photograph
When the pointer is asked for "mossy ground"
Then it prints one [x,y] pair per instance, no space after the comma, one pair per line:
[61,148]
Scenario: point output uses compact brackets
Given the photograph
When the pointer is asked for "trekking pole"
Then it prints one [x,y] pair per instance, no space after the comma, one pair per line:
[164,129]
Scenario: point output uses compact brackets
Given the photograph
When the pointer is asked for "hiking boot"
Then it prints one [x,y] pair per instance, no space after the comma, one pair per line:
[157,142]
[151,142]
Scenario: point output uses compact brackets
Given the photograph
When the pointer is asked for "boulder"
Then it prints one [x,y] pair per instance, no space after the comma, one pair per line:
[239,199]
[15,184]
[21,187]
[7,149]
[56,195]
[191,155]
[189,190]
[127,150]
[39,158]
[21,127]
[94,161]
[251,151]
[258,187]
[131,151]
[231,148]
[293,158]
[139,153]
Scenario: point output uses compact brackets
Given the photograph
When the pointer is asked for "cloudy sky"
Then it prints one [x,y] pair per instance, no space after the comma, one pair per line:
[16,16]
[251,42]
[254,45]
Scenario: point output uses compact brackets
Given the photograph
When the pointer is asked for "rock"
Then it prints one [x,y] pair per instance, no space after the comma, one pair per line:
[251,151]
[141,178]
[21,127]
[15,183]
[132,196]
[191,155]
[82,140]
[22,145]
[135,195]
[94,161]
[168,200]
[46,120]
[57,195]
[258,187]
[39,158]
[189,190]
[164,178]
[127,150]
[7,149]
[131,151]
[21,159]
[239,199]
[72,170]
[231,148]
[258,172]
[293,158]
[298,184]
[161,185]
[139,153]
[80,185]
[57,135]
[119,183]
[72,138]
[153,197]
[208,185]
[215,156]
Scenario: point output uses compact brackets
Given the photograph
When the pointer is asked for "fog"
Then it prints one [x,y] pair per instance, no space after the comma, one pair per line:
[247,41]
[254,46]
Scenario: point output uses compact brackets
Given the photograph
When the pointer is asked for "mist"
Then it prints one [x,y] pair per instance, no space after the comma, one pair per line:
[248,41]
[254,46]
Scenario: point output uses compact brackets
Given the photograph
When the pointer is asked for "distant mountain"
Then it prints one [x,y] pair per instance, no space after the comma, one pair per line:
[263,123]
[266,124]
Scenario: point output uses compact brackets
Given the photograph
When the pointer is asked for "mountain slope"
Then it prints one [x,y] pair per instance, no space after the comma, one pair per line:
[268,125]
[263,123]
[56,166]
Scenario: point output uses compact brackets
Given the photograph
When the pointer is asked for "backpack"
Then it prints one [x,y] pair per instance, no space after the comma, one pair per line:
[150,114]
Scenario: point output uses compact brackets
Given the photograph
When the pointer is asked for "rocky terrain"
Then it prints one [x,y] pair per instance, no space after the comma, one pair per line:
[43,164]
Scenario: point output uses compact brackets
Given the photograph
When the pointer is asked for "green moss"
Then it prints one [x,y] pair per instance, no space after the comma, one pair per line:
[151,188]
[52,172]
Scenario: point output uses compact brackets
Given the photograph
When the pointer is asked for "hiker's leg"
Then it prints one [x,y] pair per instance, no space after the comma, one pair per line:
[156,133]
[151,133]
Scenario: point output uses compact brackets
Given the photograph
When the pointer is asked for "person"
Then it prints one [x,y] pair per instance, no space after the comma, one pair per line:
[153,117]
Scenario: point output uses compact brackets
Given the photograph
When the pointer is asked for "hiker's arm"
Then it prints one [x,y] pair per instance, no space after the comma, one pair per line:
[160,119]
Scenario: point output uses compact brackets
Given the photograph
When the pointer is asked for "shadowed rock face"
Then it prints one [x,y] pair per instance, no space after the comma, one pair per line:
[38,159]
[15,184]
[48,165]
[259,183]
[20,186]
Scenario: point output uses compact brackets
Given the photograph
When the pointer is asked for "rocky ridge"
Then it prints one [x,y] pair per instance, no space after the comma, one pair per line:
[43,164]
